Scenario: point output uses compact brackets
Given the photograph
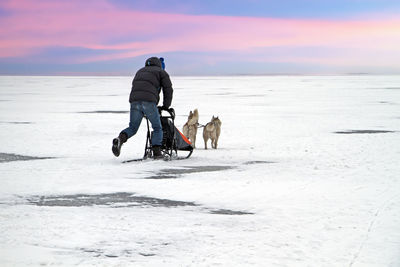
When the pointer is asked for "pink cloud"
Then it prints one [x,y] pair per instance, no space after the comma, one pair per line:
[36,25]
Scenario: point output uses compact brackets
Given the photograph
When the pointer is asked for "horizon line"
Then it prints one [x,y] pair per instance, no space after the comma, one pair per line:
[206,75]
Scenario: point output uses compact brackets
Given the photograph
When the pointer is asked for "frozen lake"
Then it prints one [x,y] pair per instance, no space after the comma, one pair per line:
[306,174]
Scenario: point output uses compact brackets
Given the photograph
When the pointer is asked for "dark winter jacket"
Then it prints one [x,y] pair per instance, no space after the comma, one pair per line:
[149,81]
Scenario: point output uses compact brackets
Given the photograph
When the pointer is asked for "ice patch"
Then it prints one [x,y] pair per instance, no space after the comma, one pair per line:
[121,200]
[5,157]
[230,212]
[258,162]
[364,131]
[176,173]
[16,122]
[115,200]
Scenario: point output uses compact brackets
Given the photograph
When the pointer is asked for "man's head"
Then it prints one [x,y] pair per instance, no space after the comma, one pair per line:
[153,61]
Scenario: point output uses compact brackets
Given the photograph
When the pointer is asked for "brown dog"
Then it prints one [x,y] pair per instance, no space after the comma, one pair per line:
[212,131]
[190,127]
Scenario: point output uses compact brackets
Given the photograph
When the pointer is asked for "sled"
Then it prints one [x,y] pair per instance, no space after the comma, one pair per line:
[173,140]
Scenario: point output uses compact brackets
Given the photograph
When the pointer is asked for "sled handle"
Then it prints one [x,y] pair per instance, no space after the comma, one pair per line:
[171,112]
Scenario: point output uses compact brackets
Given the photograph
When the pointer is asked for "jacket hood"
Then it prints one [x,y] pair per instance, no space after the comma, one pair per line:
[153,61]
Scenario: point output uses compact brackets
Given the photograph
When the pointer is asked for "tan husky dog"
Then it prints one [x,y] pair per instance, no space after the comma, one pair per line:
[190,128]
[212,131]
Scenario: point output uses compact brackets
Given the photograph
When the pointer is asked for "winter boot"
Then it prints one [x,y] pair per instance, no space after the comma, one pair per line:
[117,143]
[157,152]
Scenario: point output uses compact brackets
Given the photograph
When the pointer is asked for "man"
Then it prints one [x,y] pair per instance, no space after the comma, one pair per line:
[144,97]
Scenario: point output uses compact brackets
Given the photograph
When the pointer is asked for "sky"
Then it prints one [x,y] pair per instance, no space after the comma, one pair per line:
[200,37]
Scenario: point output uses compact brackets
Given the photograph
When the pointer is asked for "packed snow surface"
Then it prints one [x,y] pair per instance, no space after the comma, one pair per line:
[306,174]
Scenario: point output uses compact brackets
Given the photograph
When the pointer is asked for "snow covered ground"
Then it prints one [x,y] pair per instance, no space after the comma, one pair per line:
[306,174]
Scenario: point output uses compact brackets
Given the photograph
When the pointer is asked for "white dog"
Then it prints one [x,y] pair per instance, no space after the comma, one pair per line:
[190,127]
[212,130]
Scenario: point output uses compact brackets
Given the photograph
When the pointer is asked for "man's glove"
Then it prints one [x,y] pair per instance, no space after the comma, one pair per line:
[172,112]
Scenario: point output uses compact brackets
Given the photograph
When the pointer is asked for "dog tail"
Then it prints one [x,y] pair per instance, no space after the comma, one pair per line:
[195,117]
[196,113]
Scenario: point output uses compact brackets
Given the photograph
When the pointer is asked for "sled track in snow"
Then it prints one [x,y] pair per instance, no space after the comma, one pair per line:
[371,224]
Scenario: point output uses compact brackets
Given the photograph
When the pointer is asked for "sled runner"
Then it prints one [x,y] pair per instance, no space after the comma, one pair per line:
[173,139]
